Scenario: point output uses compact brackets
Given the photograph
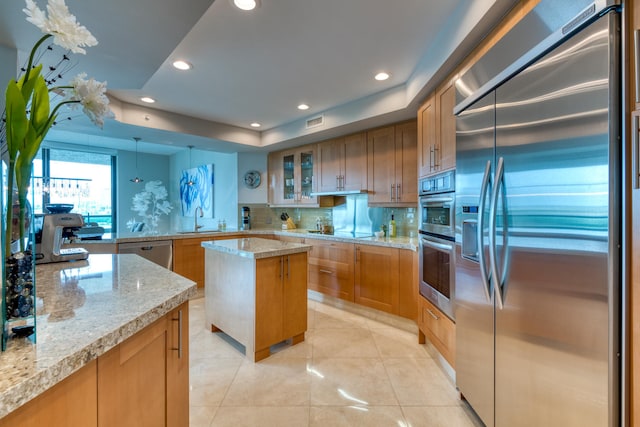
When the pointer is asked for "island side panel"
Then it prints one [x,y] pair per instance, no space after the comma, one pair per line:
[230,295]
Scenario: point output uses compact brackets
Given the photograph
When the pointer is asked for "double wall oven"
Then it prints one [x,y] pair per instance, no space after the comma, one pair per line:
[437,240]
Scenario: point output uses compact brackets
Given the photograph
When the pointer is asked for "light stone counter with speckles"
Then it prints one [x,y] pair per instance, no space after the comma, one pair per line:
[257,248]
[84,309]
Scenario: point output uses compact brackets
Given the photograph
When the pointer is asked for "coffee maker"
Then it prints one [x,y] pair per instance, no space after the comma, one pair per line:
[56,228]
[246,218]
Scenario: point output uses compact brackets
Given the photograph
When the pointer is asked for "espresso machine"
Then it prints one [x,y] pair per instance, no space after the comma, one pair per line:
[246,218]
[56,228]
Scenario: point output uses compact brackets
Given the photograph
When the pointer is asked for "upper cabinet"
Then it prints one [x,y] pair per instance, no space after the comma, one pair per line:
[342,164]
[391,165]
[437,131]
[291,177]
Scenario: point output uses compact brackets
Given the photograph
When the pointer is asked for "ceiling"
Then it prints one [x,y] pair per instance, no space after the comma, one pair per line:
[256,66]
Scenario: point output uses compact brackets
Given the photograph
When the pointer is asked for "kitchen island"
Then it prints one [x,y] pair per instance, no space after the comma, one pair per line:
[102,325]
[256,292]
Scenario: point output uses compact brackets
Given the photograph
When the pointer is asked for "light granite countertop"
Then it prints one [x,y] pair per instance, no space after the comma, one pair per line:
[85,308]
[409,243]
[253,247]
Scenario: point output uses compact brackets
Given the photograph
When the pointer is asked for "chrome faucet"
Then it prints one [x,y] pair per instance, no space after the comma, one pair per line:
[196,227]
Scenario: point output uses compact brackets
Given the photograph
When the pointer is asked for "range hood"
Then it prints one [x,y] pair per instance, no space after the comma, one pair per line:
[338,193]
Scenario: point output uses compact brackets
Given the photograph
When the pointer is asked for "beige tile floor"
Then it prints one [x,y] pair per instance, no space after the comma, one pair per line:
[349,371]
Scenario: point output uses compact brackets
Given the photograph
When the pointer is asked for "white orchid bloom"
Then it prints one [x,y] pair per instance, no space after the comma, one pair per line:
[61,24]
[92,95]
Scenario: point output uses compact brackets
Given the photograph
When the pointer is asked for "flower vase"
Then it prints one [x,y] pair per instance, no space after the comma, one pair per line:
[19,280]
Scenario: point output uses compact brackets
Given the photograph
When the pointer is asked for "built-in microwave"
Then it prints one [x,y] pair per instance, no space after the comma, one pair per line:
[437,204]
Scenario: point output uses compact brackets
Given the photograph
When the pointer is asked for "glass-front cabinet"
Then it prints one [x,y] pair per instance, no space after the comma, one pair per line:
[291,177]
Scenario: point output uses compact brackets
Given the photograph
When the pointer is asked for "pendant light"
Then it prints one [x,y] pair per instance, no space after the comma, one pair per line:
[136,179]
[190,182]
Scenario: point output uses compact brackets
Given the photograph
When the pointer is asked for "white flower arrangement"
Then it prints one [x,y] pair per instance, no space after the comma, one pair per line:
[151,203]
[28,114]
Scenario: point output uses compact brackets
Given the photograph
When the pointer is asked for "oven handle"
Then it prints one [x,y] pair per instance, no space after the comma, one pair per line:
[487,283]
[435,245]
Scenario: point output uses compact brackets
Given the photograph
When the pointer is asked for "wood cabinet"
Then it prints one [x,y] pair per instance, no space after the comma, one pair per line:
[331,268]
[292,177]
[188,256]
[437,131]
[633,194]
[342,164]
[376,277]
[145,380]
[438,328]
[72,402]
[281,309]
[391,165]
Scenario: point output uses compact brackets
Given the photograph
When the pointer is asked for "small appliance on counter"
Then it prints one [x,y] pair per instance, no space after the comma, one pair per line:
[56,228]
[246,218]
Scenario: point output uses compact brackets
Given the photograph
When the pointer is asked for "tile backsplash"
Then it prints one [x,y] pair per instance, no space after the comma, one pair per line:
[351,216]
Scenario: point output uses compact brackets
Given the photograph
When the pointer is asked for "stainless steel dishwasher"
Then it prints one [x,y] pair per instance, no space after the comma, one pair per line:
[158,251]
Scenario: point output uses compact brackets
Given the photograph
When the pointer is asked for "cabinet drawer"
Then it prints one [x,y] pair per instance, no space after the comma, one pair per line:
[330,268]
[440,330]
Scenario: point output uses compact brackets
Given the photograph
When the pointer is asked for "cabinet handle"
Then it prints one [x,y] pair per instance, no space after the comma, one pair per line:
[431,157]
[338,182]
[436,152]
[636,50]
[281,267]
[432,314]
[179,348]
[342,182]
[398,192]
[288,267]
[357,254]
[635,150]
[326,271]
[392,191]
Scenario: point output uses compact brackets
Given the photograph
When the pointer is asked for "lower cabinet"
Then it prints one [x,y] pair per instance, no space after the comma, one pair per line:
[331,268]
[145,380]
[188,257]
[438,328]
[376,277]
[142,382]
[281,296]
[72,402]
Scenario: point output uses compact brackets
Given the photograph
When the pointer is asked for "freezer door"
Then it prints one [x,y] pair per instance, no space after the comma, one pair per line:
[555,210]
[474,297]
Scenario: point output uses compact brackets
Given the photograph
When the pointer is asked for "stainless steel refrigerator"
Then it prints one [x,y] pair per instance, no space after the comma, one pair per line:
[538,220]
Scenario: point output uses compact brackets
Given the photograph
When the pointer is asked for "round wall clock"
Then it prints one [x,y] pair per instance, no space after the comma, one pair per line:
[252,179]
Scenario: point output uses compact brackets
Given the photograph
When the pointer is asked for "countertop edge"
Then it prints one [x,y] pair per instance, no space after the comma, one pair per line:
[409,243]
[44,380]
[274,249]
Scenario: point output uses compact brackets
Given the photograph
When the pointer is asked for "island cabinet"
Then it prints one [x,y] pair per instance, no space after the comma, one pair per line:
[437,131]
[256,292]
[280,313]
[440,330]
[342,164]
[292,177]
[391,165]
[145,380]
[331,268]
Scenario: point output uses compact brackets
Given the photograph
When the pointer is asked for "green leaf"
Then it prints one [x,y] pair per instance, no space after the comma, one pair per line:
[39,105]
[17,121]
[27,87]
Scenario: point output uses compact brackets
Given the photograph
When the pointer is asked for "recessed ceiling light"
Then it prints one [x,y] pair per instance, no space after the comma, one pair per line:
[182,65]
[255,125]
[147,99]
[246,4]
[382,76]
[303,107]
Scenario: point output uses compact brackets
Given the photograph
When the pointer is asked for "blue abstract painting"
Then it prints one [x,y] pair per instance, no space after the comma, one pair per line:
[196,189]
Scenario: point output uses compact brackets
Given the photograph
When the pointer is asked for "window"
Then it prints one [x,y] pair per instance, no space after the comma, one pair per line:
[84,179]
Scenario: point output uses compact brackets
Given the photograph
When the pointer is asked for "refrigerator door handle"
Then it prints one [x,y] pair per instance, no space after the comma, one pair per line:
[493,256]
[486,275]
